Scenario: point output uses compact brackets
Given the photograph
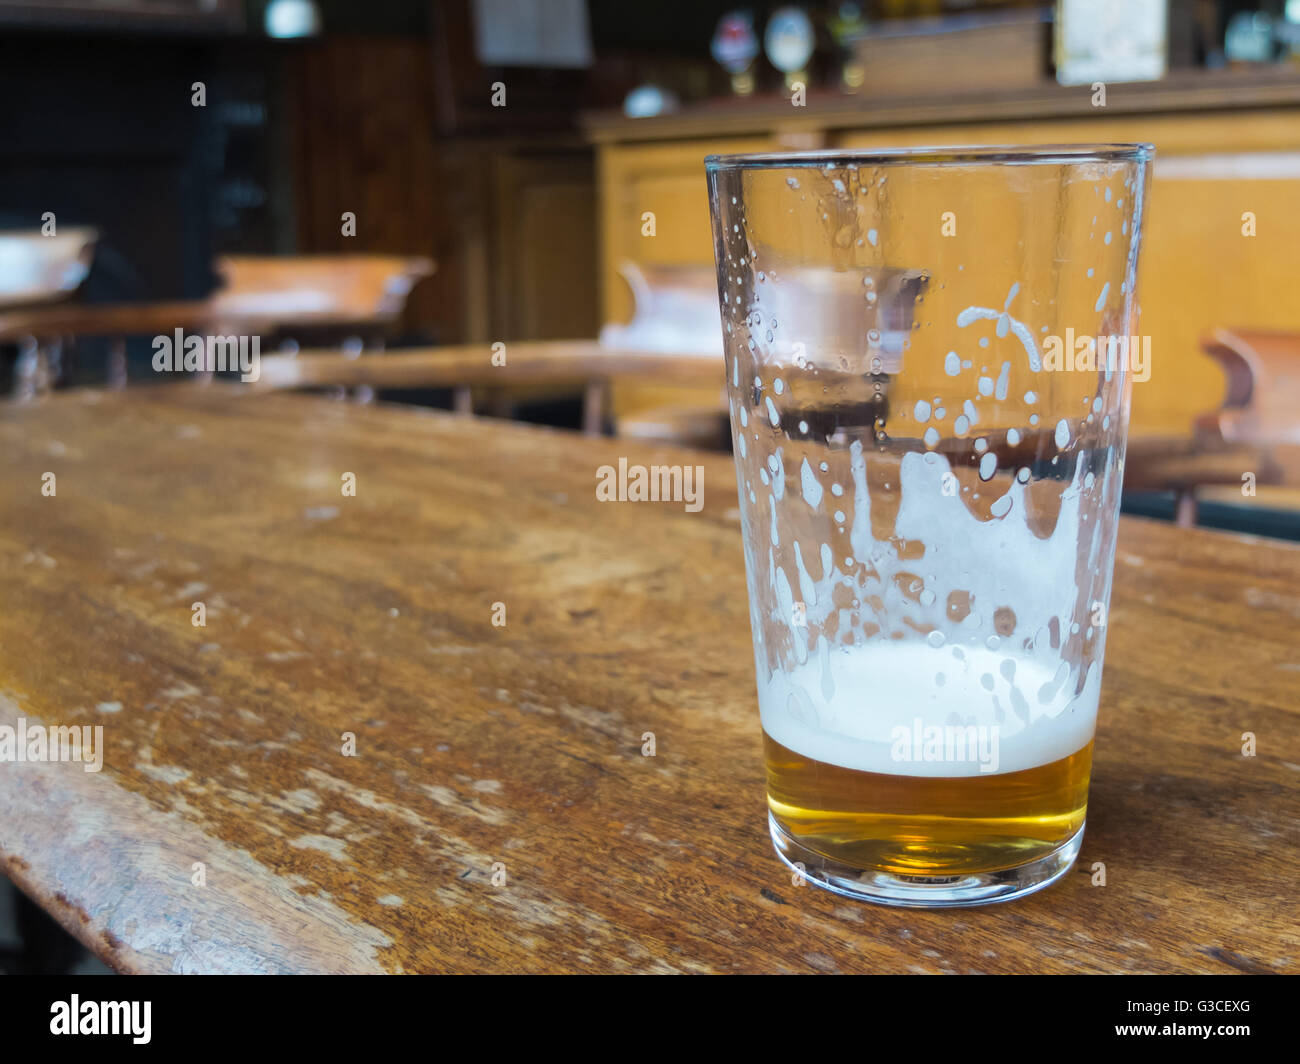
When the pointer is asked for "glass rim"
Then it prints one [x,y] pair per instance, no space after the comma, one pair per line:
[934,156]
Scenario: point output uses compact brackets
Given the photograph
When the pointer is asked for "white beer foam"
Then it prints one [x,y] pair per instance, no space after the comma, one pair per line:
[989,621]
[843,708]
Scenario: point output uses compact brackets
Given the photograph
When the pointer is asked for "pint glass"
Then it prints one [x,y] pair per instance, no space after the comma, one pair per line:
[929,359]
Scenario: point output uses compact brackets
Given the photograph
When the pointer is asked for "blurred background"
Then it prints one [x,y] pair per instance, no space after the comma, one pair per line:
[354,180]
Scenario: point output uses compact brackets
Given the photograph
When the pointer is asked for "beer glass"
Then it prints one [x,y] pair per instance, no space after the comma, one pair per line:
[929,357]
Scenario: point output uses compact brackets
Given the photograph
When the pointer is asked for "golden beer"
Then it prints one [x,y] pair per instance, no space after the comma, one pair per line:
[926,825]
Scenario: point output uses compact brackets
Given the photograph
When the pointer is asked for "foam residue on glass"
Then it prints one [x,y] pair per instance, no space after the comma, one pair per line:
[932,587]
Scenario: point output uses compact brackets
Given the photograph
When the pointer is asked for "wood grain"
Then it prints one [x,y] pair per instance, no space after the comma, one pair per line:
[550,361]
[522,744]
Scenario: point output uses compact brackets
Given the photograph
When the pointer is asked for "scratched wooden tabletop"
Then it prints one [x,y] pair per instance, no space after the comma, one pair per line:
[498,813]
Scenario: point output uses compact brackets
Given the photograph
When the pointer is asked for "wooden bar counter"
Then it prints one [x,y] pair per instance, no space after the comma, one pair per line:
[350,768]
[1221,245]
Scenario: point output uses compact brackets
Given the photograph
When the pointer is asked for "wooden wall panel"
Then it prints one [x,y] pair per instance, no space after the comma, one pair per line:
[510,223]
[361,118]
[544,249]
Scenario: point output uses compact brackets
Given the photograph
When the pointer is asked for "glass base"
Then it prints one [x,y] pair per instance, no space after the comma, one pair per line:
[925,892]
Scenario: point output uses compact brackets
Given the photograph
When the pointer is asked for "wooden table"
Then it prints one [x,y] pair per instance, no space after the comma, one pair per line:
[471,365]
[585,366]
[518,748]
